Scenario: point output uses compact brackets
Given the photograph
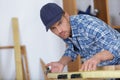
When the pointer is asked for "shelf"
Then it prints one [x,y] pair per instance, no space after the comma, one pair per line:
[116,27]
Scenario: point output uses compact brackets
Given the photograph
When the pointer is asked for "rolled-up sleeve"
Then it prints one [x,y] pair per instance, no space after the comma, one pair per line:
[106,38]
[110,43]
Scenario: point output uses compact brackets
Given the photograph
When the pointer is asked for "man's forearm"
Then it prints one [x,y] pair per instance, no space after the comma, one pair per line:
[65,60]
[104,55]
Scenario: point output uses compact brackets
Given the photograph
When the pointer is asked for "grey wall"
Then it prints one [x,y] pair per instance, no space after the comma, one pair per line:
[114,10]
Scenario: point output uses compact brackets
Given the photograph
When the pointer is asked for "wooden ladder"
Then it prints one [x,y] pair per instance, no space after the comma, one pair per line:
[20,51]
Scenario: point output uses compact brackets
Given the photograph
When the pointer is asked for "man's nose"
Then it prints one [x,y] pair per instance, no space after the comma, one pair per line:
[59,29]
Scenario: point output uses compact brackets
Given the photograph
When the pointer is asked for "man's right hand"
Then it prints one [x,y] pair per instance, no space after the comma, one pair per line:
[56,66]
[59,66]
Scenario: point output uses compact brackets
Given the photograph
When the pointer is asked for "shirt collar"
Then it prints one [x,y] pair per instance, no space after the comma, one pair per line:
[74,31]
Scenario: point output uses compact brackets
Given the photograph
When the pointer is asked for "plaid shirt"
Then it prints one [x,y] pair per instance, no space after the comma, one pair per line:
[90,35]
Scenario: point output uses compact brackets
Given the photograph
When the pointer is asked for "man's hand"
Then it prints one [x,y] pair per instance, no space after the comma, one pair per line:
[59,66]
[56,66]
[90,64]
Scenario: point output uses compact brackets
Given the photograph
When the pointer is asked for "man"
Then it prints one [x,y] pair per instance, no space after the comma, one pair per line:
[96,42]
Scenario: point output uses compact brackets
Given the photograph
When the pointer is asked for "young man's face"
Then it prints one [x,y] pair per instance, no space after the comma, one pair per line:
[62,27]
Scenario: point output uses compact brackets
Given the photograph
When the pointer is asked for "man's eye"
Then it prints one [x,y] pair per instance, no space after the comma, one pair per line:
[52,28]
[60,22]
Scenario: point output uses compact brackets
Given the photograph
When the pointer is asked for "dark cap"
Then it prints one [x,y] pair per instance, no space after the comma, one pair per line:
[50,14]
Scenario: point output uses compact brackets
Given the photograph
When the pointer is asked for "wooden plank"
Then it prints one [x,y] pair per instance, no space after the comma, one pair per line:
[113,67]
[75,65]
[17,50]
[23,70]
[102,73]
[116,27]
[102,6]
[44,69]
[26,71]
[7,47]
[88,74]
[70,6]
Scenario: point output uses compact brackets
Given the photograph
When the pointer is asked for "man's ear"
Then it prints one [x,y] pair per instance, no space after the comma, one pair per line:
[66,15]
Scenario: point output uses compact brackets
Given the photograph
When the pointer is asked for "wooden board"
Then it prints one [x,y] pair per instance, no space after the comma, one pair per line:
[17,50]
[75,65]
[43,69]
[25,65]
[70,6]
[116,27]
[102,6]
[102,73]
[87,74]
[113,67]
